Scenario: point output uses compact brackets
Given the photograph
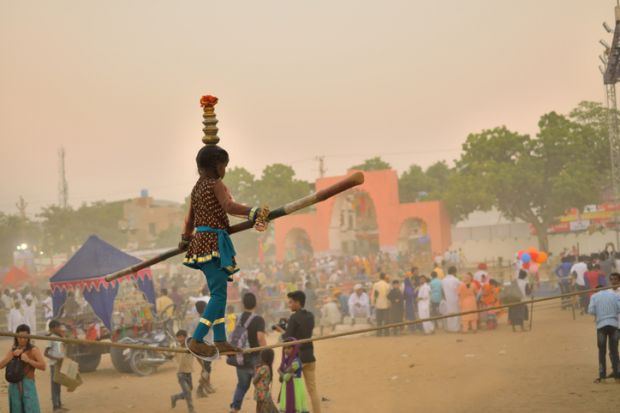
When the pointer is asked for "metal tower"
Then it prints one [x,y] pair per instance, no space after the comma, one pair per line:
[611,75]
[63,186]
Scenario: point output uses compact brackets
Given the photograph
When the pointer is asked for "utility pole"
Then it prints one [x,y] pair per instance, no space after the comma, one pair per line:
[611,75]
[21,207]
[63,186]
[321,161]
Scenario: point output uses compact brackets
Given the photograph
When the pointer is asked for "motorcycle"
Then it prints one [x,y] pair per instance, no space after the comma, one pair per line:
[144,362]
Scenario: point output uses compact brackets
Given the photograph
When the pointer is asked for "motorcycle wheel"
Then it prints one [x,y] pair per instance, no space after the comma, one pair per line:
[88,364]
[137,366]
[120,362]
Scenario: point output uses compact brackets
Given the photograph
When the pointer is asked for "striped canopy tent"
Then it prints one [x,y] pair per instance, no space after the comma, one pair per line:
[86,271]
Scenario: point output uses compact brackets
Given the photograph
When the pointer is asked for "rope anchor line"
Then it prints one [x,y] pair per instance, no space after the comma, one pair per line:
[302,341]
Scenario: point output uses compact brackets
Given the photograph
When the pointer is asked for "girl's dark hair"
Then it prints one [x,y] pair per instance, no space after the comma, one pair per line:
[22,328]
[266,357]
[209,157]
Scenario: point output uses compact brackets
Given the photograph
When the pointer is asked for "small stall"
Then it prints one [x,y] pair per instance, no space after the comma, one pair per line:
[84,275]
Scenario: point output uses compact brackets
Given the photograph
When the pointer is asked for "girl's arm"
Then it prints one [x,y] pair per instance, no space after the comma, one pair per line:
[36,361]
[6,359]
[225,199]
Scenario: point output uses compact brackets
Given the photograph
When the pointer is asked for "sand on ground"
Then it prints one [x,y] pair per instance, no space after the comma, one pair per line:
[550,369]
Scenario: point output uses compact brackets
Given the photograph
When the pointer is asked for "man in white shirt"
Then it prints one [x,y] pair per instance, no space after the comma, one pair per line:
[450,285]
[55,353]
[30,314]
[578,271]
[48,308]
[15,317]
[7,301]
[379,298]
[359,304]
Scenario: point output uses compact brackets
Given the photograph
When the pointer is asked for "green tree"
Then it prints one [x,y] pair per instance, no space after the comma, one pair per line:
[65,229]
[372,164]
[415,184]
[242,185]
[278,186]
[60,229]
[532,179]
[593,116]
[16,230]
[412,184]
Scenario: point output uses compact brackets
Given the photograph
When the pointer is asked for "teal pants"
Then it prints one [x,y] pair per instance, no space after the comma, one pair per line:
[214,315]
[24,400]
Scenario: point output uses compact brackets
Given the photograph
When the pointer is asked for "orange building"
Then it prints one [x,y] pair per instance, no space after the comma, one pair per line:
[366,219]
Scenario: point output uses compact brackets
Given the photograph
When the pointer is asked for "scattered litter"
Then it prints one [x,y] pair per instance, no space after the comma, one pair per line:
[404,355]
[502,352]
[394,378]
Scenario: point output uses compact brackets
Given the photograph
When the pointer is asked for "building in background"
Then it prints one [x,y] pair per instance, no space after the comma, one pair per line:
[364,220]
[145,219]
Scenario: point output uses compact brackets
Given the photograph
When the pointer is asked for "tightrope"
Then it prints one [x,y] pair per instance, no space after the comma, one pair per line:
[302,341]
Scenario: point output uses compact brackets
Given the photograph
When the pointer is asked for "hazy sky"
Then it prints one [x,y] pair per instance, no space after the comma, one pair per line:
[118,82]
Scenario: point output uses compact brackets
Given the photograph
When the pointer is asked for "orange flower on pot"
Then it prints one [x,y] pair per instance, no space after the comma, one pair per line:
[208,100]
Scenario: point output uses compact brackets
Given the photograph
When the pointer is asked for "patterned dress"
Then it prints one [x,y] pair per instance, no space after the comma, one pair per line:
[262,391]
[211,202]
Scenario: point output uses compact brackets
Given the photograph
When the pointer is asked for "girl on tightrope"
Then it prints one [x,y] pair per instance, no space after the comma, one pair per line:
[209,247]
[293,391]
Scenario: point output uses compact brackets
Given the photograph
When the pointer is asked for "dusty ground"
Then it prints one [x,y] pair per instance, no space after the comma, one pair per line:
[547,370]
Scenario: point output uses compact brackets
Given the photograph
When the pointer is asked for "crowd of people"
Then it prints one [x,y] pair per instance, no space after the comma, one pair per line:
[335,291]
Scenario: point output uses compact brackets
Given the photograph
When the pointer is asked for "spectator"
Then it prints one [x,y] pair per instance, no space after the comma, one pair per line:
[48,308]
[397,308]
[562,272]
[359,304]
[16,316]
[30,314]
[55,352]
[330,314]
[301,326]
[185,363]
[23,395]
[605,306]
[450,285]
[254,324]
[436,295]
[578,271]
[165,309]
[424,297]
[379,298]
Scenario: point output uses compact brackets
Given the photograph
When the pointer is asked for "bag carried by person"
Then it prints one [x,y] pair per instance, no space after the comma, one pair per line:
[15,370]
[239,338]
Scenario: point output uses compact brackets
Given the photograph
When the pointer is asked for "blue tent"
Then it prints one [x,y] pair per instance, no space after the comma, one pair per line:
[86,270]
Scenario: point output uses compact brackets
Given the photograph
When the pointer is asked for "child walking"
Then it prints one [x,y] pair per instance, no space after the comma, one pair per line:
[263,376]
[209,247]
[293,392]
[184,374]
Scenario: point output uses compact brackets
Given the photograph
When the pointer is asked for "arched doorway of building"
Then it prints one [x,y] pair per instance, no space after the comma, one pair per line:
[297,245]
[414,241]
[353,228]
